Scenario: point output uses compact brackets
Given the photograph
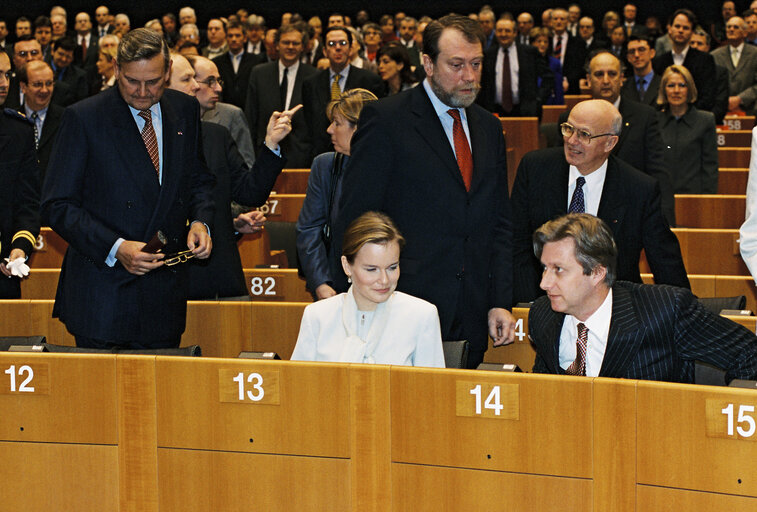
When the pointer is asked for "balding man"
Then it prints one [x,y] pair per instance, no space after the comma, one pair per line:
[525,24]
[740,59]
[102,15]
[569,50]
[585,176]
[86,42]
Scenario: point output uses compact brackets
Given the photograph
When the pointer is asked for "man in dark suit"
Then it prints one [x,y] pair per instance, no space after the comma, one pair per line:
[320,88]
[700,65]
[235,66]
[740,59]
[19,195]
[700,40]
[569,50]
[590,324]
[515,93]
[74,77]
[584,176]
[113,183]
[586,34]
[444,186]
[643,83]
[87,49]
[269,91]
[102,15]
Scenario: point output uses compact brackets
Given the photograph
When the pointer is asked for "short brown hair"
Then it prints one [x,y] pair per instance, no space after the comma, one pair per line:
[369,228]
[471,30]
[141,44]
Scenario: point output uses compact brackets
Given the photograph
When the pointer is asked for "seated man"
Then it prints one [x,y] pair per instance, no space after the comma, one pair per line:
[590,324]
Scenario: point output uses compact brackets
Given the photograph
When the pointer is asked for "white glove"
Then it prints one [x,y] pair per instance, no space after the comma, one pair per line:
[18,267]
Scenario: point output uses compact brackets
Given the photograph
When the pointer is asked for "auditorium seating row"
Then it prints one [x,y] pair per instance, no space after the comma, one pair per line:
[147,433]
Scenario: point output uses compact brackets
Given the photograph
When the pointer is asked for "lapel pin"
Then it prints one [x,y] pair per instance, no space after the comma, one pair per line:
[627,123]
[179,133]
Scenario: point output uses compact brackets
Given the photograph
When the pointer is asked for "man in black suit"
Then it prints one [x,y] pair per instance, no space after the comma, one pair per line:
[116,180]
[590,324]
[569,50]
[73,77]
[511,74]
[586,34]
[319,89]
[235,66]
[700,40]
[643,83]
[102,15]
[444,186]
[701,65]
[269,91]
[87,50]
[584,176]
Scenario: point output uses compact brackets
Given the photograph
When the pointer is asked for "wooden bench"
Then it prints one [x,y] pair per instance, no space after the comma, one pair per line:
[732,180]
[551,113]
[739,122]
[710,211]
[522,136]
[734,157]
[292,181]
[283,207]
[734,138]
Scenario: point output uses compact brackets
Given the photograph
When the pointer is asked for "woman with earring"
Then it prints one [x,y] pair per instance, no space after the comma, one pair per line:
[371,322]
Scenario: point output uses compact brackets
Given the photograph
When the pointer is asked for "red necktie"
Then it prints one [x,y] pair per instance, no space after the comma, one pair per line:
[83,49]
[578,367]
[507,88]
[462,149]
[151,141]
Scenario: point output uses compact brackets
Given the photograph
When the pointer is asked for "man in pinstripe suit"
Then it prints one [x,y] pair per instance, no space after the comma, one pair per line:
[589,324]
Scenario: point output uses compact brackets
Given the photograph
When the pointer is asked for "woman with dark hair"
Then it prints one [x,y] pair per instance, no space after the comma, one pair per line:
[324,190]
[691,153]
[540,39]
[371,322]
[394,68]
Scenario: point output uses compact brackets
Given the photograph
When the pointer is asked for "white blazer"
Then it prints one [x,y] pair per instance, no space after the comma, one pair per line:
[748,231]
[404,331]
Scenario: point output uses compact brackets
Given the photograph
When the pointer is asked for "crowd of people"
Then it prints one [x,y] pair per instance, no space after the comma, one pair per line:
[409,171]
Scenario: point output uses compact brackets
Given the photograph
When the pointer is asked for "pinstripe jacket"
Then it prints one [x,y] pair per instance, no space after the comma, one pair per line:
[656,333]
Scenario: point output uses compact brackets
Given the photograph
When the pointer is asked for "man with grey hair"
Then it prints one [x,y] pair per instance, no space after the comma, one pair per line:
[117,182]
[585,176]
[590,324]
[122,23]
[255,28]
[187,15]
[740,59]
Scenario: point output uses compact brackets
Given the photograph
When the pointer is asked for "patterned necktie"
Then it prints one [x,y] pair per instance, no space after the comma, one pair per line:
[283,89]
[577,201]
[507,88]
[557,52]
[642,88]
[335,90]
[151,141]
[462,149]
[578,367]
[34,118]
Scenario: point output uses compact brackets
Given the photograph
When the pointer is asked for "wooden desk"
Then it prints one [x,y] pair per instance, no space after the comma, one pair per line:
[49,251]
[739,122]
[732,180]
[266,284]
[522,136]
[283,207]
[734,138]
[292,181]
[734,157]
[710,211]
[551,113]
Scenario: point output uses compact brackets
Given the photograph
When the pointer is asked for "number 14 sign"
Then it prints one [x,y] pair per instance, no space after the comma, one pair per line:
[487,400]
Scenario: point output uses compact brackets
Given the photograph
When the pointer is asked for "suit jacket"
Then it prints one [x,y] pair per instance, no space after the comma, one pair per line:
[656,333]
[458,249]
[701,65]
[47,137]
[232,118]
[631,93]
[316,94]
[19,192]
[101,186]
[404,331]
[235,84]
[221,275]
[263,98]
[573,63]
[630,205]
[691,151]
[535,81]
[76,80]
[742,79]
[89,60]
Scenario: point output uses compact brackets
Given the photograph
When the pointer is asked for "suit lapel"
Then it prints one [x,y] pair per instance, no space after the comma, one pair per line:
[52,119]
[475,127]
[625,336]
[548,342]
[173,132]
[612,203]
[627,120]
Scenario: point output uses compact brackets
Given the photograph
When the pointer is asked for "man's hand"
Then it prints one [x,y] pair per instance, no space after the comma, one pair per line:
[198,240]
[279,126]
[136,261]
[250,222]
[501,326]
[734,103]
[15,254]
[324,291]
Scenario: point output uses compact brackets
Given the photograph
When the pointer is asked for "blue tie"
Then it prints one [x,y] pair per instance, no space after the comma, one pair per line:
[577,201]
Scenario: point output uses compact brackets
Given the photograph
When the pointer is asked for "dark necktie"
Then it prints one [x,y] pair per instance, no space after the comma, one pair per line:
[557,53]
[151,141]
[578,367]
[642,88]
[83,49]
[507,88]
[283,89]
[34,118]
[577,201]
[462,149]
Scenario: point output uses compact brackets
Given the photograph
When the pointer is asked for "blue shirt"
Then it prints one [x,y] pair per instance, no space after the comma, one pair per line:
[446,119]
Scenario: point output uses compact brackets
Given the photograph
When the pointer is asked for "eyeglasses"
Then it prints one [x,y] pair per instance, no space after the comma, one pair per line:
[24,53]
[341,42]
[179,257]
[584,136]
[39,85]
[640,50]
[211,81]
[291,43]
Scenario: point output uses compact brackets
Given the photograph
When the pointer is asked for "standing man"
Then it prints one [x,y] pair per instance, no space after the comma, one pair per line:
[278,86]
[255,28]
[740,59]
[408,27]
[19,195]
[586,33]
[73,80]
[569,50]
[25,50]
[525,24]
[113,183]
[486,18]
[43,32]
[235,66]
[102,16]
[329,83]
[436,164]
[216,39]
[86,42]
[644,84]
[4,43]
[629,22]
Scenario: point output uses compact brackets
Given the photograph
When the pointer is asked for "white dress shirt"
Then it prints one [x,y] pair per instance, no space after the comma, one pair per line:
[512,54]
[291,74]
[599,329]
[595,181]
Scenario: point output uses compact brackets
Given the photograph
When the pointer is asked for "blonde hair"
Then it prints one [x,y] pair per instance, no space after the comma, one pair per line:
[369,228]
[662,95]
[349,104]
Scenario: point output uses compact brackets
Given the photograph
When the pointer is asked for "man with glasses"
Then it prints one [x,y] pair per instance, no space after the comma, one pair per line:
[25,50]
[236,65]
[19,195]
[37,84]
[328,84]
[585,177]
[643,84]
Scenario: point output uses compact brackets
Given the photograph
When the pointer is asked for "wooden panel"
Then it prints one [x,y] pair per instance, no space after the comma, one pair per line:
[200,481]
[732,181]
[45,476]
[137,433]
[222,329]
[49,250]
[43,323]
[292,181]
[522,136]
[711,251]
[572,99]
[434,489]
[79,408]
[312,417]
[710,211]
[674,449]
[275,326]
[283,284]
[283,207]
[614,445]
[739,122]
[731,286]
[735,138]
[521,352]
[551,113]
[255,249]
[16,318]
[733,157]
[427,398]
[661,499]
[41,284]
